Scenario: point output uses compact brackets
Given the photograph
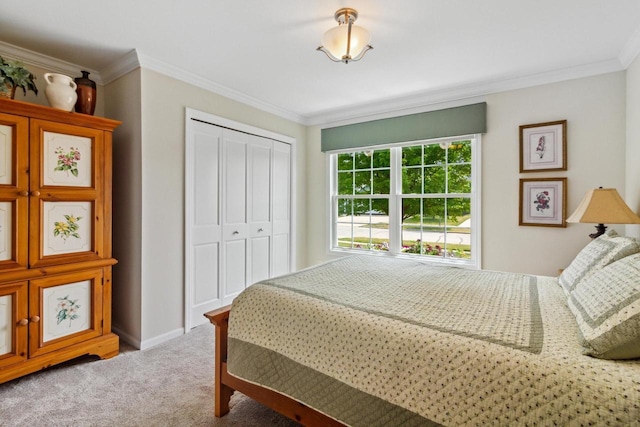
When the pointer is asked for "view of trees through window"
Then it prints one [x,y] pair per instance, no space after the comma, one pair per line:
[433,199]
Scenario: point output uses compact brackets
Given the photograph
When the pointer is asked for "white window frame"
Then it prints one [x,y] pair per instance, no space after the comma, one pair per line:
[395,203]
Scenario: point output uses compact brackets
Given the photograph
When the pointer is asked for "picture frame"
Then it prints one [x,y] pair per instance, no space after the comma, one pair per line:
[543,147]
[543,202]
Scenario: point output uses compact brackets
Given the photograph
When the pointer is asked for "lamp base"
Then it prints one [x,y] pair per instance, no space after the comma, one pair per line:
[600,230]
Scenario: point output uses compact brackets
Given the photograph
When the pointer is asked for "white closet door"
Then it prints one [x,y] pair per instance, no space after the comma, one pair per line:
[259,209]
[234,213]
[281,223]
[203,278]
[238,214]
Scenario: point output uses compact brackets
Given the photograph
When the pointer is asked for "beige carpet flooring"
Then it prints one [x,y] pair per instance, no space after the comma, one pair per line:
[167,385]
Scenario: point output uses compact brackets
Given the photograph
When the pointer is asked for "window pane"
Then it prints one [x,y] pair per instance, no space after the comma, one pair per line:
[412,156]
[382,158]
[459,177]
[345,161]
[381,181]
[433,214]
[378,225]
[433,227]
[344,223]
[459,228]
[363,160]
[363,183]
[411,226]
[345,182]
[434,180]
[363,224]
[460,152]
[412,180]
[434,155]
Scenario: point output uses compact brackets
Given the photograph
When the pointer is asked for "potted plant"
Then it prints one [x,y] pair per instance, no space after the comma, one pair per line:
[13,74]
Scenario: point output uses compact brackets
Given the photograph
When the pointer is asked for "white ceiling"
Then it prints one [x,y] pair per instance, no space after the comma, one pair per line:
[425,51]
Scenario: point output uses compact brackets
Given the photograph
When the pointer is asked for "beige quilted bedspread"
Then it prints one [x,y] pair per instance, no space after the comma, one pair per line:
[376,341]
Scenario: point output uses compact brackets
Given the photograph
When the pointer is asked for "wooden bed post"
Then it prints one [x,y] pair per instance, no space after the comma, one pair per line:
[220,319]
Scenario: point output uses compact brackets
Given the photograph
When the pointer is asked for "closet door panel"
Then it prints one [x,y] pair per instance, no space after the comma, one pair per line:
[260,255]
[203,267]
[235,277]
[206,270]
[281,249]
[235,177]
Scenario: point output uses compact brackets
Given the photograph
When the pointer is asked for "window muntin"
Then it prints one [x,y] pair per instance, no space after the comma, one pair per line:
[432,194]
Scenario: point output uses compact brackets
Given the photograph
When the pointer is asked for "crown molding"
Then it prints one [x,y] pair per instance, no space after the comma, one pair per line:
[393,106]
[120,67]
[378,109]
[45,62]
[630,50]
[201,82]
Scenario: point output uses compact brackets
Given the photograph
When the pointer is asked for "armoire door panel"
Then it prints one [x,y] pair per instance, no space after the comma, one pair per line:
[66,194]
[68,309]
[68,230]
[13,323]
[14,192]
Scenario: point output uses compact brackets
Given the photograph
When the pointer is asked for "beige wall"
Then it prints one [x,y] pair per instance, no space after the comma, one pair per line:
[595,110]
[632,194]
[124,104]
[163,101]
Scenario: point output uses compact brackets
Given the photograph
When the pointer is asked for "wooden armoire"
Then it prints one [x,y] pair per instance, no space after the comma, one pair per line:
[55,237]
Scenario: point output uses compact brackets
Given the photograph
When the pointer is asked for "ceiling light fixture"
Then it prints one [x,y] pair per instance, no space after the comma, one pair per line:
[346,42]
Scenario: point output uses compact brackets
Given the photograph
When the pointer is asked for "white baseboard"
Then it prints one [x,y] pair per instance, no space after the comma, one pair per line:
[152,342]
[129,339]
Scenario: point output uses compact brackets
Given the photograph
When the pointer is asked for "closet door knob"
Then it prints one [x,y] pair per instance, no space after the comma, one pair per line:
[23,193]
[35,193]
[23,322]
[236,232]
[260,229]
[35,319]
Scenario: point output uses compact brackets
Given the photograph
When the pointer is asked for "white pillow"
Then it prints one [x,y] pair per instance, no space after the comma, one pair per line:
[607,308]
[599,253]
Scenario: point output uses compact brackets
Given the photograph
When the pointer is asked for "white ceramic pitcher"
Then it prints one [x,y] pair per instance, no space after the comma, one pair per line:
[60,91]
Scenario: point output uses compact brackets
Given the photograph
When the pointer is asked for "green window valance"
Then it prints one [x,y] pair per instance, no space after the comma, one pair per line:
[465,120]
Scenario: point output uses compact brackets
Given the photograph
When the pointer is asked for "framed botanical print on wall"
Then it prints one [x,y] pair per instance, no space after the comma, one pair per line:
[543,147]
[543,202]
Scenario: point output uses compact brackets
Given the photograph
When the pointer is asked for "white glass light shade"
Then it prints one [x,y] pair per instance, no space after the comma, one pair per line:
[335,42]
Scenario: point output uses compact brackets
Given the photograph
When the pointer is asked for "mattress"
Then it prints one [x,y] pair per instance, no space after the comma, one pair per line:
[375,341]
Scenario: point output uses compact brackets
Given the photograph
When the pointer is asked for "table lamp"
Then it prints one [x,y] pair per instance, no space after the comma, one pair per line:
[603,205]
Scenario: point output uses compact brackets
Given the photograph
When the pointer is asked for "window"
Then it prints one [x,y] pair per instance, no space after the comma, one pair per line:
[413,200]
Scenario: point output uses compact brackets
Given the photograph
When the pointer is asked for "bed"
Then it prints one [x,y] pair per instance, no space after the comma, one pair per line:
[376,341]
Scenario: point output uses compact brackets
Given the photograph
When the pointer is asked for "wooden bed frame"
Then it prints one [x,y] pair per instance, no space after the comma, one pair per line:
[226,384]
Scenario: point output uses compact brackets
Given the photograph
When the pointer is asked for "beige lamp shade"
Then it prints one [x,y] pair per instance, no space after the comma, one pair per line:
[604,205]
